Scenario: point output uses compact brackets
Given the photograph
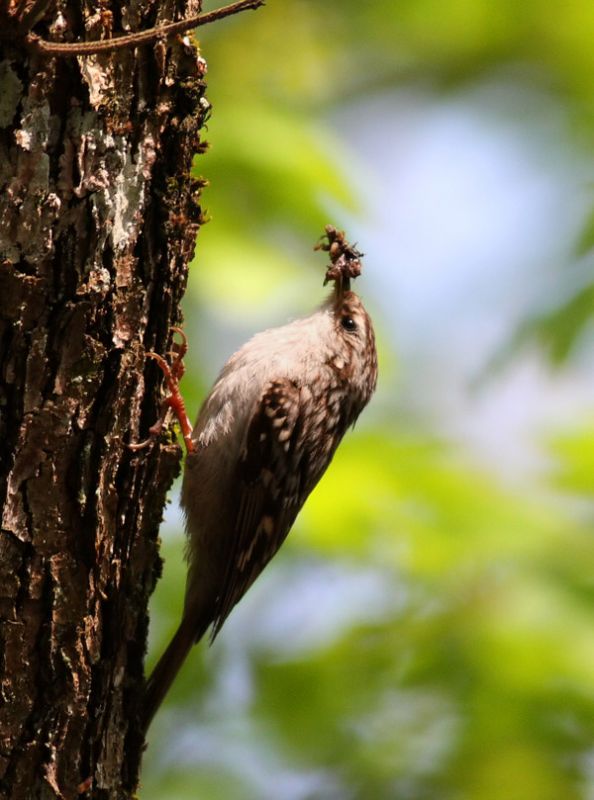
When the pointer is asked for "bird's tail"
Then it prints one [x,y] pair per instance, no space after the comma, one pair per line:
[168,666]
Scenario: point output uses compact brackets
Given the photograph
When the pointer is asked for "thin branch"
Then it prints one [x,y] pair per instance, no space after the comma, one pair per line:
[141,37]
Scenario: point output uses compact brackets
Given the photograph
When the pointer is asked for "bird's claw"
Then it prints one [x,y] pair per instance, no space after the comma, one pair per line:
[173,370]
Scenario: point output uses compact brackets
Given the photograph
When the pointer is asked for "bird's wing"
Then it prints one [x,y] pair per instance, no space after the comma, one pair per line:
[272,488]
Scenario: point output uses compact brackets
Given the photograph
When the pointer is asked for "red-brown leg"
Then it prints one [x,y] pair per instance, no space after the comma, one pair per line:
[173,373]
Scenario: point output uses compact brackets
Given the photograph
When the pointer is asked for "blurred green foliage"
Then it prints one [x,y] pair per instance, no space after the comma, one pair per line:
[447,652]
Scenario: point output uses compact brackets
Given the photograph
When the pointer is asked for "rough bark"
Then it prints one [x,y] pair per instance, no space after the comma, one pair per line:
[98,217]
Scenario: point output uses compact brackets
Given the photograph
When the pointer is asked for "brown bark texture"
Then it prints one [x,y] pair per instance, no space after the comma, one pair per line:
[98,219]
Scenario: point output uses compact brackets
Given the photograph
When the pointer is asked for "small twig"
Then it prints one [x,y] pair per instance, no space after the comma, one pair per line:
[141,37]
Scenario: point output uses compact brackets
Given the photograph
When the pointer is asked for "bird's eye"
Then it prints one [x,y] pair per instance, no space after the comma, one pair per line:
[348,323]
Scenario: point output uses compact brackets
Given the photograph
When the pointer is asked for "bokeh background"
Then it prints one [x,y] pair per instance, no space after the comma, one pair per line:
[426,633]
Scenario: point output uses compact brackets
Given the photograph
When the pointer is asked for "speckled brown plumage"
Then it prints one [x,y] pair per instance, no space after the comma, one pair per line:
[263,439]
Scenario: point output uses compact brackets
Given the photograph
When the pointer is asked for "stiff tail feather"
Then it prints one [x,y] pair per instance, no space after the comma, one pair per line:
[168,666]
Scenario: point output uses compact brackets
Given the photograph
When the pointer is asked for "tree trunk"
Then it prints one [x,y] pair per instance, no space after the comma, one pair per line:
[98,218]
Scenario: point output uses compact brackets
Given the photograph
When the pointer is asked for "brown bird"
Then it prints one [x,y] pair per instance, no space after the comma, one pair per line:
[263,439]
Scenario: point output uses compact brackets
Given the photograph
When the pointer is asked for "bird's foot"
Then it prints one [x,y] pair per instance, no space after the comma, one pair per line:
[173,370]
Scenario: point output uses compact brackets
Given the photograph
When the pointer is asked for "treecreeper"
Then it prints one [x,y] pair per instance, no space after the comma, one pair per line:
[263,439]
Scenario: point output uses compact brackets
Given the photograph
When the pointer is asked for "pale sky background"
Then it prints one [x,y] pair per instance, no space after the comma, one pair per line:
[474,204]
